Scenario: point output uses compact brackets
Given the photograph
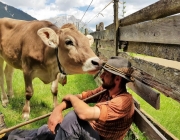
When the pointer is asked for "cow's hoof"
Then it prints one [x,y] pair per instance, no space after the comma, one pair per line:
[25,116]
[5,102]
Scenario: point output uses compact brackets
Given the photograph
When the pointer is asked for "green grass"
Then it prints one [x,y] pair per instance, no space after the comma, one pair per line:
[41,102]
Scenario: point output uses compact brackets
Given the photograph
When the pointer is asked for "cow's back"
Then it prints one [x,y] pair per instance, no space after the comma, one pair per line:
[19,39]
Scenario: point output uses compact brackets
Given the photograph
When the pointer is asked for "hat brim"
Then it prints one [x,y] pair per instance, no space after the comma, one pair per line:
[116,73]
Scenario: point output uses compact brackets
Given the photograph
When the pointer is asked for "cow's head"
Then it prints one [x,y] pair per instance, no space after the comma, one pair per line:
[74,50]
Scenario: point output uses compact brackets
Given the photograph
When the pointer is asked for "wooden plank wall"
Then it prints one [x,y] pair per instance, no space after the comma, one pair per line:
[152,31]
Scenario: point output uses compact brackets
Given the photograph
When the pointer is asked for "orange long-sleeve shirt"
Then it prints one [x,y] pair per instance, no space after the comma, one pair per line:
[116,114]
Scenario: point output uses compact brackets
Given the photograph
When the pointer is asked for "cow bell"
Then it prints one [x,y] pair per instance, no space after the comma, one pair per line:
[62,79]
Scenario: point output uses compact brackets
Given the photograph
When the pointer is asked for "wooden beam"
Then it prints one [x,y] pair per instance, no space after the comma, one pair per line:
[163,31]
[136,104]
[160,9]
[163,130]
[147,127]
[145,92]
[166,51]
[105,34]
[106,44]
[116,25]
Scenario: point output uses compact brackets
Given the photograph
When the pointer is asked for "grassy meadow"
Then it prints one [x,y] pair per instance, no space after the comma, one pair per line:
[41,102]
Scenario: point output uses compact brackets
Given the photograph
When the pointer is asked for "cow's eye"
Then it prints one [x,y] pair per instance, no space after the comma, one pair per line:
[69,42]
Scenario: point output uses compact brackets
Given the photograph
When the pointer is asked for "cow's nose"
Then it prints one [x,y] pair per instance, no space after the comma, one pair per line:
[95,62]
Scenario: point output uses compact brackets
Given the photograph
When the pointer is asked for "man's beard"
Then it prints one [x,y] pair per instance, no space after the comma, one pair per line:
[108,86]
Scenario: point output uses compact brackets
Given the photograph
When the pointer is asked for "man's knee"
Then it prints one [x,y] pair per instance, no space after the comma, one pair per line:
[69,127]
[70,122]
[73,127]
[69,118]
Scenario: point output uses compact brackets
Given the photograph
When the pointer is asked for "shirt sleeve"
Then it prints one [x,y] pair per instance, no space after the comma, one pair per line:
[115,108]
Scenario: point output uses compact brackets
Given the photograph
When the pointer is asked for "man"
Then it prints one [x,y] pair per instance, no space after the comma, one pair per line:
[109,119]
[112,114]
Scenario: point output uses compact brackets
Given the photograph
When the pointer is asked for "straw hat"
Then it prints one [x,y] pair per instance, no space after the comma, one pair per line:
[119,66]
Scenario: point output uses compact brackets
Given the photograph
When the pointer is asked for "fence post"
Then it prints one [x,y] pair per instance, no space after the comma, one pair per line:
[97,45]
[86,31]
[116,25]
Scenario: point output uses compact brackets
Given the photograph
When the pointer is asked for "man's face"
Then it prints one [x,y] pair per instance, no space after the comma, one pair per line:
[108,81]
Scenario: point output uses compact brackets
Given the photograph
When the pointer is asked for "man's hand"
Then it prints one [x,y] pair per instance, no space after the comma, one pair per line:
[56,116]
[67,97]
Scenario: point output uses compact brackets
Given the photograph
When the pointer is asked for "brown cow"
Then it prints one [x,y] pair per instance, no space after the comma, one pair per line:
[30,46]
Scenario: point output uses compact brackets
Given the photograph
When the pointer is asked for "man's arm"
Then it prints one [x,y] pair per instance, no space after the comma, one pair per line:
[83,110]
[56,115]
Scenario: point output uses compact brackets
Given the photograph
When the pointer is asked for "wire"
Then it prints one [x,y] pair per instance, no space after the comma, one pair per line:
[86,10]
[99,12]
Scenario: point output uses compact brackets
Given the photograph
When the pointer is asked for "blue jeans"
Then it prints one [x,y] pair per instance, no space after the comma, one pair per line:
[73,128]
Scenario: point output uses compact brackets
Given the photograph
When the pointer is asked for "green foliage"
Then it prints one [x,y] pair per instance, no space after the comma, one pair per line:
[135,135]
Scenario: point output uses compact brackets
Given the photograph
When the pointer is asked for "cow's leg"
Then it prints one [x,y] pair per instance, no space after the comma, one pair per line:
[8,74]
[4,97]
[54,90]
[28,95]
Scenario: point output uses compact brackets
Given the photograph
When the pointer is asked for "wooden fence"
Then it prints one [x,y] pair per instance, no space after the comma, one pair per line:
[151,31]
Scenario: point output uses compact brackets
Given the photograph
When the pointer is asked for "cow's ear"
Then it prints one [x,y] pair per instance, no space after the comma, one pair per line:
[49,37]
[91,39]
